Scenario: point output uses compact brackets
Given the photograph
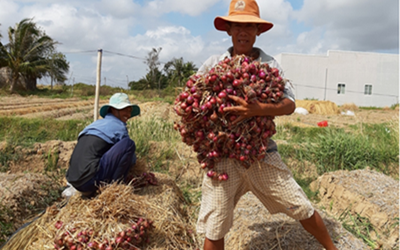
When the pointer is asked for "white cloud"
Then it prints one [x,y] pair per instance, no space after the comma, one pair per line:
[175,41]
[189,7]
[79,29]
[356,25]
[120,9]
[163,31]
[8,12]
[275,11]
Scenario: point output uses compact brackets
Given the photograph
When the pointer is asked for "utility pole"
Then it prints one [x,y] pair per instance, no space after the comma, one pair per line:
[127,81]
[326,82]
[98,79]
[72,88]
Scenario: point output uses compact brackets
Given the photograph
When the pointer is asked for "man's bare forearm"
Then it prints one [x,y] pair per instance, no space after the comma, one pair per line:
[284,107]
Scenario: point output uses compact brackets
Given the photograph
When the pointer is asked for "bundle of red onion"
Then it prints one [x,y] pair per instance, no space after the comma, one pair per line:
[204,124]
[142,180]
[131,238]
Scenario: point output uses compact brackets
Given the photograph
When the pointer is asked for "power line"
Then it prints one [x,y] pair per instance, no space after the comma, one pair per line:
[80,52]
[116,80]
[107,51]
[135,57]
[120,54]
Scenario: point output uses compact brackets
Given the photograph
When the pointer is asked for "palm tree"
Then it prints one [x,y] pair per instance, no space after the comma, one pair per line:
[26,54]
[58,67]
[177,71]
[189,69]
[174,70]
[2,55]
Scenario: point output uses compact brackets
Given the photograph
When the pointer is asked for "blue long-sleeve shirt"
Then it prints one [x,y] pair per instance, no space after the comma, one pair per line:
[110,129]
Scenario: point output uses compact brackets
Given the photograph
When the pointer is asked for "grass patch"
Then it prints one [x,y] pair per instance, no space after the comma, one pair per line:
[51,161]
[6,227]
[81,90]
[7,155]
[359,226]
[143,132]
[191,194]
[304,183]
[26,132]
[331,149]
[154,139]
[151,95]
[22,132]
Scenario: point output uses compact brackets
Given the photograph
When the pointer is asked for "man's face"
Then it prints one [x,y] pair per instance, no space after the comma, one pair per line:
[243,37]
[122,114]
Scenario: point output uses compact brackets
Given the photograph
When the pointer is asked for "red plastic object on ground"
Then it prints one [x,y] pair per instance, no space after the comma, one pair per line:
[323,124]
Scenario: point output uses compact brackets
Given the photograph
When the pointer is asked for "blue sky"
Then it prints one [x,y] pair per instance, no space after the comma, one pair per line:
[184,28]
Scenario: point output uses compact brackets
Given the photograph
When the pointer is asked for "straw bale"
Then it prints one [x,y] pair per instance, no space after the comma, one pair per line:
[319,107]
[165,193]
[349,106]
[113,210]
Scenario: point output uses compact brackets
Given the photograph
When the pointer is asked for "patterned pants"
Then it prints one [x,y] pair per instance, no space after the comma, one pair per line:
[269,180]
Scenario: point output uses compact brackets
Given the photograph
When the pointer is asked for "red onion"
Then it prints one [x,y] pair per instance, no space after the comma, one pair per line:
[204,124]
[211,173]
[189,83]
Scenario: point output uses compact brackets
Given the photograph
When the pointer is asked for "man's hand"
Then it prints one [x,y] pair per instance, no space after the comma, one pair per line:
[244,110]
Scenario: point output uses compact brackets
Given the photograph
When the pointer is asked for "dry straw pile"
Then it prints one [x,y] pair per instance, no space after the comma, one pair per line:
[319,107]
[116,209]
[349,106]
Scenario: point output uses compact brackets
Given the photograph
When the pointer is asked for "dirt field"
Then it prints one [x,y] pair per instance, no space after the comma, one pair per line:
[74,108]
[260,226]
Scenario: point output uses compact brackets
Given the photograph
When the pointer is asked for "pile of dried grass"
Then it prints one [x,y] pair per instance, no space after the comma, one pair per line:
[111,212]
[349,106]
[318,107]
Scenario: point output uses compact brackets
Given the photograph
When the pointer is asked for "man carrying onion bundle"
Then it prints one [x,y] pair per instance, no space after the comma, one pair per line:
[269,179]
[104,152]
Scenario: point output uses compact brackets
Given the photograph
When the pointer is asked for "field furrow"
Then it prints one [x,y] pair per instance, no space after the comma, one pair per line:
[49,107]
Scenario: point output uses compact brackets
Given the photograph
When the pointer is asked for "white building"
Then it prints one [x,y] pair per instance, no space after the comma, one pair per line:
[363,78]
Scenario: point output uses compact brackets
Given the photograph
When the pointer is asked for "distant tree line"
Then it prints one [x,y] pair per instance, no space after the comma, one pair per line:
[30,55]
[174,74]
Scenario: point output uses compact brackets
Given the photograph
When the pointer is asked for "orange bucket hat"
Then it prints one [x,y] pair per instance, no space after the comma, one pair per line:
[242,11]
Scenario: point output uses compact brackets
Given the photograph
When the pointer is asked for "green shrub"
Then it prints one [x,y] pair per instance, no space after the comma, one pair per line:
[330,148]
[152,130]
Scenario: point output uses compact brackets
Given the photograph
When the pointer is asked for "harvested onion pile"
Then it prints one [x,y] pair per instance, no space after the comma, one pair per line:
[130,238]
[204,124]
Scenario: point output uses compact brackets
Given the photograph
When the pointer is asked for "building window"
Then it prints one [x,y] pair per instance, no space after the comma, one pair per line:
[340,89]
[368,89]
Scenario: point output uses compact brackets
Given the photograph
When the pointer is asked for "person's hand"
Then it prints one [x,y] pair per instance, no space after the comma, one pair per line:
[244,110]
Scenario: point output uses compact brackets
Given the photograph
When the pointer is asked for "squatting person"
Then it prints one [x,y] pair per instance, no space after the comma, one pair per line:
[104,152]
